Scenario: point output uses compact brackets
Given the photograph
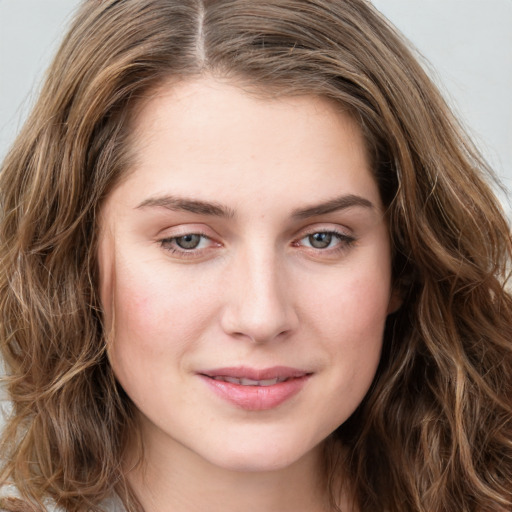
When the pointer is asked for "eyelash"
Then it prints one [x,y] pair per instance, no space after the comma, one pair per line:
[344,242]
[169,244]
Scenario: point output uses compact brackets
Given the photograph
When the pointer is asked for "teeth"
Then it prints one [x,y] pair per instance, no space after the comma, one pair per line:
[269,382]
[233,380]
[250,382]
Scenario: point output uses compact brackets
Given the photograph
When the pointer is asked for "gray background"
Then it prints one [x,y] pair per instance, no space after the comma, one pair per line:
[467,42]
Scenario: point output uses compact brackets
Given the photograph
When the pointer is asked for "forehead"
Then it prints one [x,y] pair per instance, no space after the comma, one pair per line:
[221,101]
[216,137]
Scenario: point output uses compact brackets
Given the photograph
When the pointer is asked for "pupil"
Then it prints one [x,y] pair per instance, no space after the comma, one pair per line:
[320,240]
[188,241]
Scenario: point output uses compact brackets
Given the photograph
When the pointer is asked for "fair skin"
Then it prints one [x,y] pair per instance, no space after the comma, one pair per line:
[247,242]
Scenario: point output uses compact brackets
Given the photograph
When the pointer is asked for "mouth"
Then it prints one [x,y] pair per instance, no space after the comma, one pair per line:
[256,390]
[250,382]
[246,376]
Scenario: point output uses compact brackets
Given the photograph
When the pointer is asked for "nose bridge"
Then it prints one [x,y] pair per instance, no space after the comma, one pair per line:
[259,306]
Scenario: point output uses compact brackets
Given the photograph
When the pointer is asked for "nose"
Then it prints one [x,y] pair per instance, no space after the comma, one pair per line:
[259,305]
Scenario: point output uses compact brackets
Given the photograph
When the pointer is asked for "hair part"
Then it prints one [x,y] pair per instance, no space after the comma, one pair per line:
[434,432]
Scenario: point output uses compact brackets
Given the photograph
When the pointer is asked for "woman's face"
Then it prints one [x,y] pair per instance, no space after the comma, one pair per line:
[245,273]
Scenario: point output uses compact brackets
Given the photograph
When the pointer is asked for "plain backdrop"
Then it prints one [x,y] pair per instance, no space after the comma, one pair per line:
[468,44]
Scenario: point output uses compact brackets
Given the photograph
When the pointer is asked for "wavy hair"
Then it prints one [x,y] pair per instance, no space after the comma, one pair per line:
[434,433]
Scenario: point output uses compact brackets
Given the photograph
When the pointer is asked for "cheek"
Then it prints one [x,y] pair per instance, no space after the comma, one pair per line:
[351,304]
[144,348]
[350,312]
[357,331]
[157,315]
[353,333]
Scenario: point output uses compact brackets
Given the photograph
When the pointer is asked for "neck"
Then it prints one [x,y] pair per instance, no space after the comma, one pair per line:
[171,477]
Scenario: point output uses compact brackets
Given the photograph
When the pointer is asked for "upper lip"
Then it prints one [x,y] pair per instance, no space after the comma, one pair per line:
[244,372]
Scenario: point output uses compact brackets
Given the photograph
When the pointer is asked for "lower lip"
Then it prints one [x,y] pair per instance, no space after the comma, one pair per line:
[256,398]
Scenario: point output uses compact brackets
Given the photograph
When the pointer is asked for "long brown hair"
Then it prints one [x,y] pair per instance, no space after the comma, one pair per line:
[435,431]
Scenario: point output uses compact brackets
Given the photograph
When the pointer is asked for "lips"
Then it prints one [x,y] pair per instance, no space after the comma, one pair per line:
[245,372]
[250,382]
[254,389]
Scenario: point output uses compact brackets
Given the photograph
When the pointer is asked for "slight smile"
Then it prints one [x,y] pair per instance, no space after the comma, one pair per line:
[256,390]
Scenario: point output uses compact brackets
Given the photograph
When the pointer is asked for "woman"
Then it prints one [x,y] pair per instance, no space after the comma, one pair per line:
[250,261]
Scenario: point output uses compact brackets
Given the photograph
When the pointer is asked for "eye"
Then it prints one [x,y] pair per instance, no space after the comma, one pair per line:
[190,241]
[320,240]
[187,244]
[326,240]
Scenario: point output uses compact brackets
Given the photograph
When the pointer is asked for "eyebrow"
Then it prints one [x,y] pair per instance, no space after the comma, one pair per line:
[177,204]
[215,209]
[333,205]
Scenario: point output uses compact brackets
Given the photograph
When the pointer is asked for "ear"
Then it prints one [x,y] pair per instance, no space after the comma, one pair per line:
[395,300]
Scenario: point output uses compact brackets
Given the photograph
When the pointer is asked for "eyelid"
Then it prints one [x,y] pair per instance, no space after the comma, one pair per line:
[174,231]
[340,235]
[342,231]
[167,236]
[166,240]
[345,237]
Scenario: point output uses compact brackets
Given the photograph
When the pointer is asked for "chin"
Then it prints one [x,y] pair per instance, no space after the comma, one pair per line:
[261,457]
